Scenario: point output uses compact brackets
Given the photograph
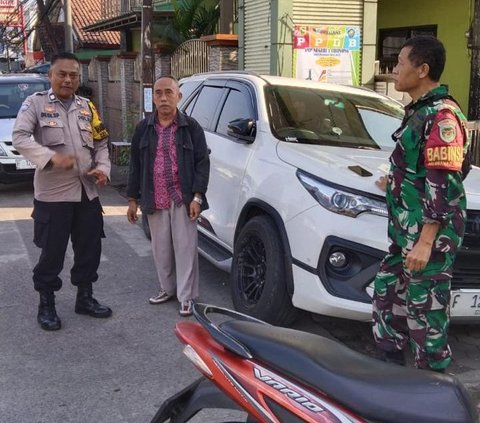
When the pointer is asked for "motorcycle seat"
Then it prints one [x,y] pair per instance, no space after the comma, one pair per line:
[377,391]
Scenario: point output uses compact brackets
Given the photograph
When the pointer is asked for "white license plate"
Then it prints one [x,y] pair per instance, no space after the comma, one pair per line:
[465,304]
[24,164]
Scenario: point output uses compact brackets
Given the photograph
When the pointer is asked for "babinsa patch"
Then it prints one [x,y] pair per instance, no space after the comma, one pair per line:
[447,130]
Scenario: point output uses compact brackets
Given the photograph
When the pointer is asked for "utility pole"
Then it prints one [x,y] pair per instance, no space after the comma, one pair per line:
[146,85]
[474,46]
[226,17]
[68,26]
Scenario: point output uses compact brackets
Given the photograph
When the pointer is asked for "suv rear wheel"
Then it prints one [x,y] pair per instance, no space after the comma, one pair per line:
[259,280]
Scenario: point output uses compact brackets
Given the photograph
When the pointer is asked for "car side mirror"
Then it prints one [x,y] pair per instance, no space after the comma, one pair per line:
[243,130]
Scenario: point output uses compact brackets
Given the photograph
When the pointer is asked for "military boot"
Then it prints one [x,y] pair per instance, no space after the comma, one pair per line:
[86,304]
[47,315]
[395,357]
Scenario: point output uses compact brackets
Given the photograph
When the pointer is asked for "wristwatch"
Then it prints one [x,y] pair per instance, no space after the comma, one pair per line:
[197,200]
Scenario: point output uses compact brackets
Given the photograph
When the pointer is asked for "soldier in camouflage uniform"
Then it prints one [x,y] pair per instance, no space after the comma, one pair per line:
[427,212]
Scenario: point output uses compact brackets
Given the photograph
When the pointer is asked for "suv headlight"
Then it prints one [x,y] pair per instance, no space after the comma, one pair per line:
[3,153]
[339,199]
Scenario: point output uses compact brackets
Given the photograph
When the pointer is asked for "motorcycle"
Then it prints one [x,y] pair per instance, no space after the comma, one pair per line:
[280,375]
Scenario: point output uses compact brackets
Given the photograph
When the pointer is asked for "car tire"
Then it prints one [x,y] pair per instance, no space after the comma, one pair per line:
[146,227]
[258,277]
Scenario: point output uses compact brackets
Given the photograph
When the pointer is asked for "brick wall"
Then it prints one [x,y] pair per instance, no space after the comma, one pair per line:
[119,101]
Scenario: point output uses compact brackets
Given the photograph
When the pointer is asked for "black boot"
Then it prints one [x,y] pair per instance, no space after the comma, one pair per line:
[395,357]
[47,315]
[86,304]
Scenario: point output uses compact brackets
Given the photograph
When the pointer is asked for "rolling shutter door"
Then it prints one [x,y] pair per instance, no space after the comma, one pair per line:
[257,33]
[328,12]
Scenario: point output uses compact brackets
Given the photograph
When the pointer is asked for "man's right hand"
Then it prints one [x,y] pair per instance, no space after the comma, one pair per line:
[382,183]
[63,161]
[132,215]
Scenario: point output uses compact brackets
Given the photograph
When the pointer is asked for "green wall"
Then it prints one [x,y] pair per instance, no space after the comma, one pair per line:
[452,19]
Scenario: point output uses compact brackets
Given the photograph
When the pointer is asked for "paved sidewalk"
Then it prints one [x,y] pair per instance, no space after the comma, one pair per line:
[119,370]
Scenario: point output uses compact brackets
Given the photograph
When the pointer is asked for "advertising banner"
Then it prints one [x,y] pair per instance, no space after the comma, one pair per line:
[9,13]
[327,53]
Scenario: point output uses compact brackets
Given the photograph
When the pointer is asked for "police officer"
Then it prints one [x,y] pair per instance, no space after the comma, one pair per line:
[427,212]
[69,149]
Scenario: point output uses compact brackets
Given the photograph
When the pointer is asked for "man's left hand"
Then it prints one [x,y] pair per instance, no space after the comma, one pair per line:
[100,177]
[194,210]
[417,259]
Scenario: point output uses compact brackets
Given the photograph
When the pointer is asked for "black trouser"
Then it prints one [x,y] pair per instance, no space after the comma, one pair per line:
[54,224]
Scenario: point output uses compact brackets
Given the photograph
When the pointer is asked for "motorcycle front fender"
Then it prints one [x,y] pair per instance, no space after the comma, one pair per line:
[201,394]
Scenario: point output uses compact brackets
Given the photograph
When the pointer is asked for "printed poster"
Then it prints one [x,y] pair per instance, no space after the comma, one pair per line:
[328,53]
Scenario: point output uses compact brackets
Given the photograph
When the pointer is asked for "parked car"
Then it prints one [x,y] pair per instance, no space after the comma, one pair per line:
[14,88]
[295,215]
[42,68]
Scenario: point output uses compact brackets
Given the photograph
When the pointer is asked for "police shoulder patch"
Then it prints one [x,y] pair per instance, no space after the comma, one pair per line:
[26,104]
[447,130]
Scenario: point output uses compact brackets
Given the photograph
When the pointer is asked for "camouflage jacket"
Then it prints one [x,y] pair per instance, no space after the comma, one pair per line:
[425,180]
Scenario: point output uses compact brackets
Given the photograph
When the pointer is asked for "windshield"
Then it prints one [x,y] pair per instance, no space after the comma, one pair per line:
[322,117]
[12,96]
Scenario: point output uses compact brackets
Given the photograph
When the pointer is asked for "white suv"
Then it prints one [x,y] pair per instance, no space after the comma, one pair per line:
[14,89]
[295,215]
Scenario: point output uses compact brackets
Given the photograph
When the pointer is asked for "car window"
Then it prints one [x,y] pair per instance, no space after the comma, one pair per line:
[237,106]
[380,126]
[12,96]
[205,104]
[318,116]
[187,88]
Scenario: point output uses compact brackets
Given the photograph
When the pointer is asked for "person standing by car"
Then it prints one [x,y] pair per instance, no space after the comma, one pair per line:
[168,178]
[427,212]
[55,130]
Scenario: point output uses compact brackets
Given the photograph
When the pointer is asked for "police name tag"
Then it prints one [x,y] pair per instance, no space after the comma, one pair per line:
[22,164]
[465,303]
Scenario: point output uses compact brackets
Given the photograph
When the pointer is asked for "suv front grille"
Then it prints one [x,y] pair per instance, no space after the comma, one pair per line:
[466,271]
[472,230]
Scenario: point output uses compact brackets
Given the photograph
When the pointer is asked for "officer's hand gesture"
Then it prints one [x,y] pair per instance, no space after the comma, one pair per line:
[62,161]
[100,177]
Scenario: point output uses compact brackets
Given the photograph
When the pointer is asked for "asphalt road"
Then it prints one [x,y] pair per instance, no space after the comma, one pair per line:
[119,370]
[115,370]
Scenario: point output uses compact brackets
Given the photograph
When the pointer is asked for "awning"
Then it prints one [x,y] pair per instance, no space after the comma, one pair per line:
[126,20]
[116,23]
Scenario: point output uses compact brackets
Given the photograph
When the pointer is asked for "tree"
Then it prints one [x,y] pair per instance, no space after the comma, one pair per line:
[14,31]
[11,32]
[191,19]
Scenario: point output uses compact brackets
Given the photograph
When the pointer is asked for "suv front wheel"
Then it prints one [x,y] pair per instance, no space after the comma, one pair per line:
[259,280]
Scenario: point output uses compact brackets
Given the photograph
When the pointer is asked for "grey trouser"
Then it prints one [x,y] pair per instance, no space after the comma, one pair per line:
[174,247]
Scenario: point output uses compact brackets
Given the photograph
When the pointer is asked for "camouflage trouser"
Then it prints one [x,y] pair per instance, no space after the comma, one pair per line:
[413,309]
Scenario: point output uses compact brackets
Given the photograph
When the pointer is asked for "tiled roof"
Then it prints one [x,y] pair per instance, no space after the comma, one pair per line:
[87,12]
